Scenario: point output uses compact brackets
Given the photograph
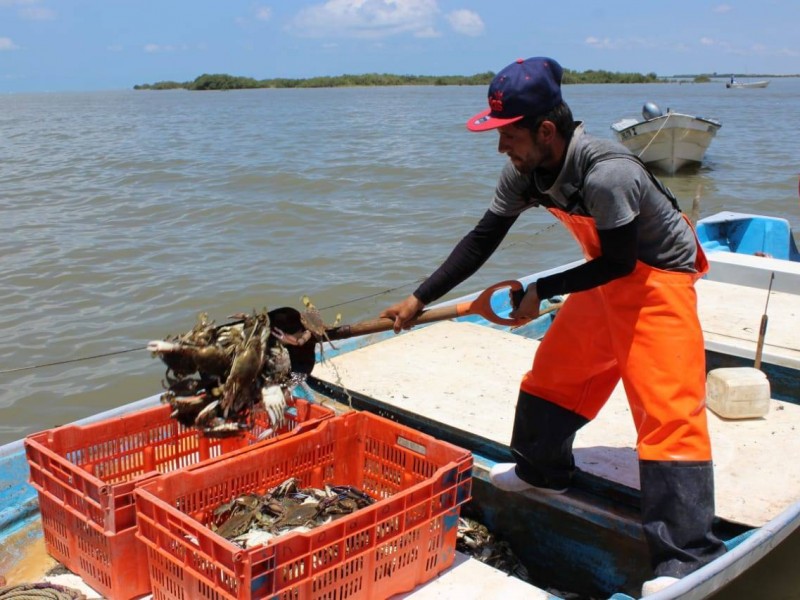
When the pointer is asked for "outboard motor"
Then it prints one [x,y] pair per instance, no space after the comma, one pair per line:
[650,110]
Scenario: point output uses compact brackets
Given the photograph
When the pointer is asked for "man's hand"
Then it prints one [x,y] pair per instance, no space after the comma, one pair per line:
[403,312]
[529,305]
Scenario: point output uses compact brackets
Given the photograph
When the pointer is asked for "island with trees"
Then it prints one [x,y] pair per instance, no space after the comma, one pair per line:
[232,82]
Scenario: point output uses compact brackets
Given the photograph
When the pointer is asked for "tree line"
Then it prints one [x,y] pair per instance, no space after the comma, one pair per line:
[223,81]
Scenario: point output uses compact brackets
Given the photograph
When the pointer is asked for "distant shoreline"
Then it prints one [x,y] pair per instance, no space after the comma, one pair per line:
[223,81]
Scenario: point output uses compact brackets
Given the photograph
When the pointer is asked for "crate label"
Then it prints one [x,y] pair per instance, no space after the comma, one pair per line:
[406,443]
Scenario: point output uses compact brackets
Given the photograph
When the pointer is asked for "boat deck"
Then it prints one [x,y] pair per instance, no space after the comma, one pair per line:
[467,376]
[733,327]
[467,579]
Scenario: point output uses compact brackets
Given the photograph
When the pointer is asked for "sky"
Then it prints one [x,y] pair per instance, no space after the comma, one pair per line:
[86,45]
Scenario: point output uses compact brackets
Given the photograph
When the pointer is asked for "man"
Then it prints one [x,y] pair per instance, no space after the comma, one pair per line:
[631,313]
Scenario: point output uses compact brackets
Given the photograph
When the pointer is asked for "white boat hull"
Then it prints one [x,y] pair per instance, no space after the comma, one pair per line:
[669,142]
[747,84]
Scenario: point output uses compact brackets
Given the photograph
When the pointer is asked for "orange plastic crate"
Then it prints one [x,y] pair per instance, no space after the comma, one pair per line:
[85,476]
[112,563]
[404,539]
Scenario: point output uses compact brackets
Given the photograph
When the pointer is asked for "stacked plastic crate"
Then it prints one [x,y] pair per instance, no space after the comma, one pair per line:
[402,540]
[85,477]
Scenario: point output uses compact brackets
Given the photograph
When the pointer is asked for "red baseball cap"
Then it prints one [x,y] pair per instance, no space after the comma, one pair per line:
[524,88]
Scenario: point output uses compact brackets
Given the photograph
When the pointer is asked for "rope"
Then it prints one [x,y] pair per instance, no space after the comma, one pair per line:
[40,591]
[669,114]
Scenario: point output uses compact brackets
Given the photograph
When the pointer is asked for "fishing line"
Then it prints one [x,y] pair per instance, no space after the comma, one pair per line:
[107,354]
[376,294]
[351,301]
[72,360]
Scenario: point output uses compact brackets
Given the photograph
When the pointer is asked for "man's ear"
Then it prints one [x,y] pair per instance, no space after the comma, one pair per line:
[546,132]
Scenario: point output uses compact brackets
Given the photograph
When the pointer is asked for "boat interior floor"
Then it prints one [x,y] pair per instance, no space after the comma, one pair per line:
[466,376]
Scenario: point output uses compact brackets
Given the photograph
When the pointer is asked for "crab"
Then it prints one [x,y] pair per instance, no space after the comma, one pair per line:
[474,539]
[233,518]
[232,364]
[184,359]
[184,408]
[252,519]
[240,388]
[312,320]
[342,500]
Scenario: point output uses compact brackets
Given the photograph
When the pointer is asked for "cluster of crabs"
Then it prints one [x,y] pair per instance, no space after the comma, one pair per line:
[474,539]
[254,519]
[219,377]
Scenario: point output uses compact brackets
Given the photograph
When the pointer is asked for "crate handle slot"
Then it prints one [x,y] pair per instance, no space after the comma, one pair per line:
[413,446]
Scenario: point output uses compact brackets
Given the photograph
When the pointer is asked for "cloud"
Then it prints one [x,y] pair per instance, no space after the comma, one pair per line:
[368,19]
[28,11]
[634,43]
[466,22]
[37,13]
[263,13]
[600,43]
[7,44]
[157,48]
[260,14]
[427,33]
[754,49]
[722,9]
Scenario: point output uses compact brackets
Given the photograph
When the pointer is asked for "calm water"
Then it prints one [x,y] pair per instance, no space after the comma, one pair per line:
[124,214]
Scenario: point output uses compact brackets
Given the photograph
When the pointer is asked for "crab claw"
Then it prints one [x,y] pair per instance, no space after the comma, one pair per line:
[239,316]
[205,415]
[290,339]
[274,401]
[158,346]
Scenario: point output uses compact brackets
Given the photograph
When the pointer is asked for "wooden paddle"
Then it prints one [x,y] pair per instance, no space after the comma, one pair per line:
[303,352]
[481,306]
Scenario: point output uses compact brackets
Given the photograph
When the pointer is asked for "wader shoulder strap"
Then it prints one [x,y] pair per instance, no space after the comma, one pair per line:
[576,197]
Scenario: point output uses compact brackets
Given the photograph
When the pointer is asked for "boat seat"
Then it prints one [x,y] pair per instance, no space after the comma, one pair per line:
[768,235]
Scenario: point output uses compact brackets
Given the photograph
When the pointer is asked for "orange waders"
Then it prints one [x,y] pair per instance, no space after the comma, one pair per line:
[642,328]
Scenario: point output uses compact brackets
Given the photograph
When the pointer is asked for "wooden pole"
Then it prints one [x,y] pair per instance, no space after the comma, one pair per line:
[695,214]
[762,331]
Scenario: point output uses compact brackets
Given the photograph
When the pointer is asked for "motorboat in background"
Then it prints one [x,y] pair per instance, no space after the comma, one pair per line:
[668,141]
[747,84]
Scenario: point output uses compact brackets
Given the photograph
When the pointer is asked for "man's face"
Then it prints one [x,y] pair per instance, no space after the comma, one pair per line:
[526,151]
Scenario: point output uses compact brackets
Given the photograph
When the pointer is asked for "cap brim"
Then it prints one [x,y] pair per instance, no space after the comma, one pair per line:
[484,121]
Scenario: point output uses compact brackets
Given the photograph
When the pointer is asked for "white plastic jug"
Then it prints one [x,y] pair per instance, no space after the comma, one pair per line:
[738,392]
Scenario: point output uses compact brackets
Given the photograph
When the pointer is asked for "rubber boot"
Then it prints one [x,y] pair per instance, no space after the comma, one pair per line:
[677,515]
[542,442]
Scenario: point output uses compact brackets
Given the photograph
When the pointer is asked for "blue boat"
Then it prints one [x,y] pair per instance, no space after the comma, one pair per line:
[747,234]
[588,542]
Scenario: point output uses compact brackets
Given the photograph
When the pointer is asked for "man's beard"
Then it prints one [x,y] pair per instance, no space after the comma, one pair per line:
[543,164]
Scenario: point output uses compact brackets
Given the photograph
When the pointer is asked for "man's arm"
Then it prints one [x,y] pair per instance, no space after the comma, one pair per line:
[466,258]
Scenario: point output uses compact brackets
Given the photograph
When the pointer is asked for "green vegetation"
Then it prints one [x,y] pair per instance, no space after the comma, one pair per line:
[592,76]
[231,82]
[702,79]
